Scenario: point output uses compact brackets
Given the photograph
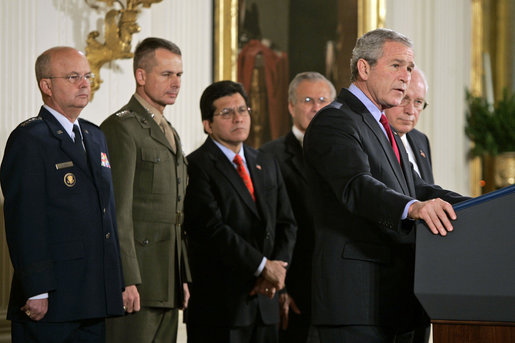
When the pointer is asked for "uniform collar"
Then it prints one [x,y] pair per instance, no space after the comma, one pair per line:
[154,112]
[65,123]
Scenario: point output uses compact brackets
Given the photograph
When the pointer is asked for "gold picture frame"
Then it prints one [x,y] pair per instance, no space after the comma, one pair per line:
[331,42]
[371,15]
[492,34]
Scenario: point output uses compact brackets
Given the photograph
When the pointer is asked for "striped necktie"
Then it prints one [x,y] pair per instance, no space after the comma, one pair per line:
[389,133]
[240,168]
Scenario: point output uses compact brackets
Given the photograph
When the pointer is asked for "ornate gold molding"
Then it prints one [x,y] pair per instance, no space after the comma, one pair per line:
[119,26]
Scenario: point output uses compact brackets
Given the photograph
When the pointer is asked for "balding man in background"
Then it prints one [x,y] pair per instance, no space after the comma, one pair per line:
[307,94]
[404,117]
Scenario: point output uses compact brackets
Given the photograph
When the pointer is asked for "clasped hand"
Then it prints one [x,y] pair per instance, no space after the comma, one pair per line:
[271,279]
[35,309]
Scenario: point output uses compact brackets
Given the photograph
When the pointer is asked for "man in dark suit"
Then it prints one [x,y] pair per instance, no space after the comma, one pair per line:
[404,117]
[240,225]
[365,203]
[59,213]
[150,178]
[307,94]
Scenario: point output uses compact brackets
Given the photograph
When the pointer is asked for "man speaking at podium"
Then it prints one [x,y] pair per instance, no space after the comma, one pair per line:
[366,199]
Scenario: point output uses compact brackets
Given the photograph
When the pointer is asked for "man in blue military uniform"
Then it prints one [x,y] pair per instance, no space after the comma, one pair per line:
[59,213]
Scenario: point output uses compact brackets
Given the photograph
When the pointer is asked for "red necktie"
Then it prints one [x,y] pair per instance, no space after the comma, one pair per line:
[388,130]
[240,168]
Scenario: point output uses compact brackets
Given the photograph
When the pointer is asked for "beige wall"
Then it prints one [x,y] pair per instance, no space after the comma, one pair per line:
[441,31]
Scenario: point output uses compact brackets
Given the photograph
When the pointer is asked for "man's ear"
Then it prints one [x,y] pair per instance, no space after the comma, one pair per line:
[363,69]
[291,107]
[207,126]
[140,76]
[46,86]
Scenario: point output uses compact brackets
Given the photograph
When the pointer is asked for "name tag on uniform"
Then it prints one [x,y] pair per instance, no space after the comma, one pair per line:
[64,165]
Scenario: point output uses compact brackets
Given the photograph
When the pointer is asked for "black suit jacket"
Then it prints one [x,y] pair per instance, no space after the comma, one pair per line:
[288,153]
[421,149]
[60,221]
[230,233]
[363,263]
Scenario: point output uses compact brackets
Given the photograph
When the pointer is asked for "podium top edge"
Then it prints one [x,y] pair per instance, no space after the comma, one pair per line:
[485,197]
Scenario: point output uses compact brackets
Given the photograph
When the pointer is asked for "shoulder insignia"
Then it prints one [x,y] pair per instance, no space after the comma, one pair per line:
[85,121]
[31,121]
[124,113]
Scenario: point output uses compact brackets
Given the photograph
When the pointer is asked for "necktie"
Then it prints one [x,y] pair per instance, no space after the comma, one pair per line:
[163,124]
[78,138]
[388,130]
[240,168]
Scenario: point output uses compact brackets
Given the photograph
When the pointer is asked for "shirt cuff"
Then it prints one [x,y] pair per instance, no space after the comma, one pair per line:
[261,267]
[39,296]
[405,212]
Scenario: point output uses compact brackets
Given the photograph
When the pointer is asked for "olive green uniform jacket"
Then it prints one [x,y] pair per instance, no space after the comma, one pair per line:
[149,184]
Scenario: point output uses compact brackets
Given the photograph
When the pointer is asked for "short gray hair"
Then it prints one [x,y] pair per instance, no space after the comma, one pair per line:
[307,76]
[146,50]
[370,47]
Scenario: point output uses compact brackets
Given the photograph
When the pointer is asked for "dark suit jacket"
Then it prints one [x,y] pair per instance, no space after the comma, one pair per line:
[363,263]
[230,233]
[421,149]
[288,153]
[60,221]
[149,181]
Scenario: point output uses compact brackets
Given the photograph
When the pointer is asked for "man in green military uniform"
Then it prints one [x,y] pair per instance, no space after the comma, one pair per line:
[149,177]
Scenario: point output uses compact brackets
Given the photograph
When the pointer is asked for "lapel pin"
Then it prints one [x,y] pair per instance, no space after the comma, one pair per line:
[422,154]
[258,166]
[59,132]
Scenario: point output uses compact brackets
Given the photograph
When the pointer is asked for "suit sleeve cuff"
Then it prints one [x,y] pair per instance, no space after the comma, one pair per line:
[39,296]
[406,208]
[261,267]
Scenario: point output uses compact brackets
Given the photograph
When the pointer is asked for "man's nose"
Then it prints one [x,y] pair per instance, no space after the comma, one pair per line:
[405,75]
[175,81]
[409,108]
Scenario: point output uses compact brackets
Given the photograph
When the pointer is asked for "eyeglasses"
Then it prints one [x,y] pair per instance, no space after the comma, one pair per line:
[311,101]
[418,103]
[229,113]
[75,78]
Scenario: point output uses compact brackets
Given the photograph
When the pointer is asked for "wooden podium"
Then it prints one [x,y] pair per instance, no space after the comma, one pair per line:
[466,280]
[473,332]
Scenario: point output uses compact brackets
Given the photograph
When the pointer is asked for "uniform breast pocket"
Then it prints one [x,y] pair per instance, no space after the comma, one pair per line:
[69,180]
[157,170]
